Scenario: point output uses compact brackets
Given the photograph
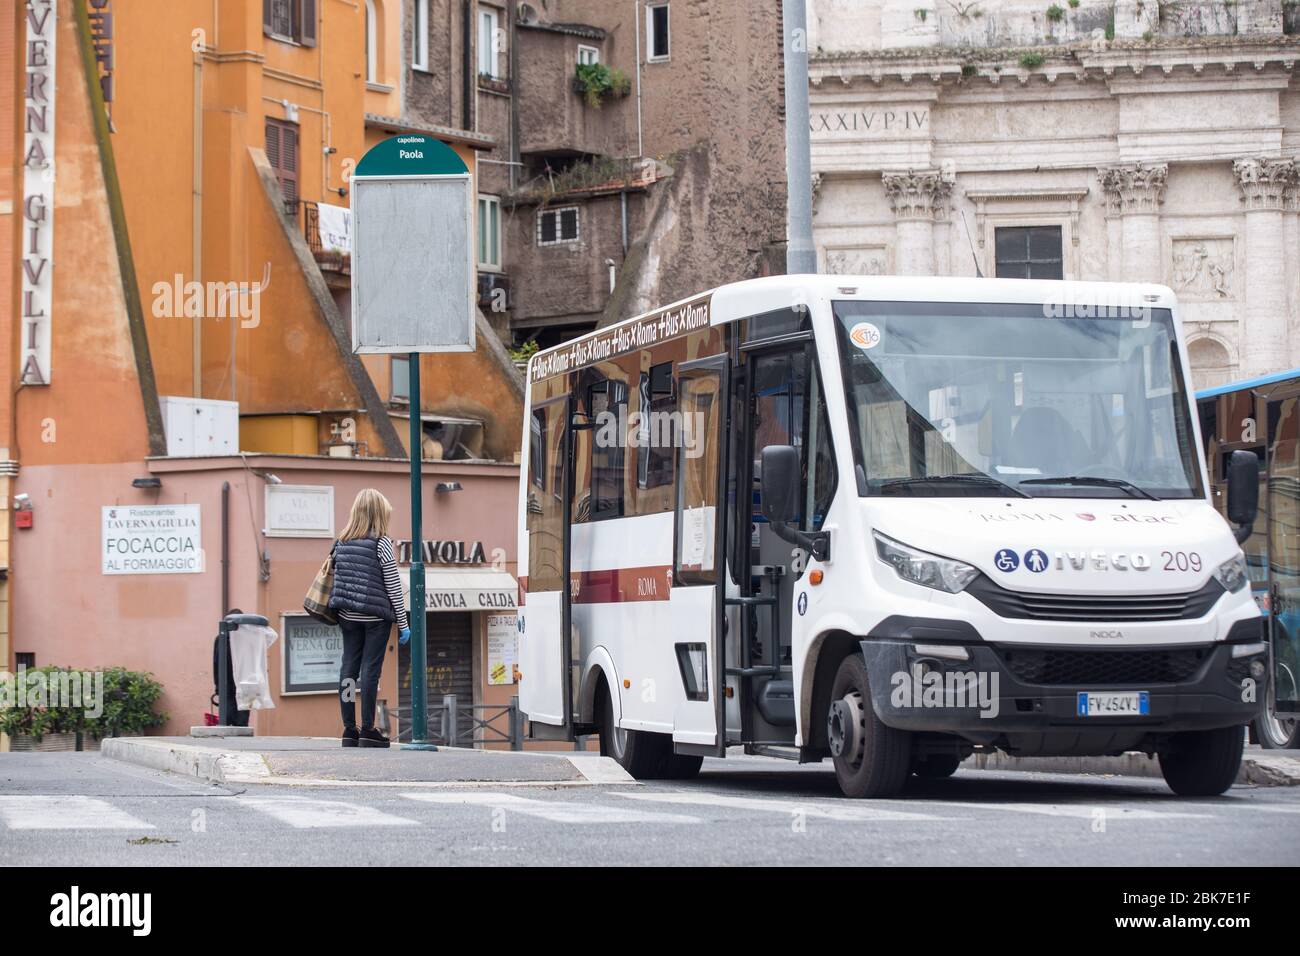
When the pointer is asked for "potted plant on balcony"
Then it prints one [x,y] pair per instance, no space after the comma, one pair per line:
[41,715]
[596,81]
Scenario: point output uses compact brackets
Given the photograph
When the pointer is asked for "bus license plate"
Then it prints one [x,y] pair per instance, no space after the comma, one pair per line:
[1134,704]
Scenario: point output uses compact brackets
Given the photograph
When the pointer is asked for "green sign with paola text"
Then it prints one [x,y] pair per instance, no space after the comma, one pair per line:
[411,155]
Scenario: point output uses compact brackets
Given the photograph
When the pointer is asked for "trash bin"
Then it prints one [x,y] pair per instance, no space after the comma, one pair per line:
[243,639]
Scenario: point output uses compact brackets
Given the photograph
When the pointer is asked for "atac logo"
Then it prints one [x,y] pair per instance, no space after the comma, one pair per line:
[864,335]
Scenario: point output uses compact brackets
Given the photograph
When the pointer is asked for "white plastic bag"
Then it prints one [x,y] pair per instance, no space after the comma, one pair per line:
[249,644]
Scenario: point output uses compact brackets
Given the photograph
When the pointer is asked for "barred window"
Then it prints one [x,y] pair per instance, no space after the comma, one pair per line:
[557,225]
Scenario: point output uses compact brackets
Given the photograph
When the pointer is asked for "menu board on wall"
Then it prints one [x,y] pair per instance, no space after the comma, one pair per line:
[502,649]
[313,655]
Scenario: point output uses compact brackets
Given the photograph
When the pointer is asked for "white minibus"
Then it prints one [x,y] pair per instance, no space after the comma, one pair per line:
[891,521]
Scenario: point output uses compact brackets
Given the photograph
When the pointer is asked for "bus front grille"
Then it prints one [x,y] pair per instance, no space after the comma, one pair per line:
[1098,608]
[1111,668]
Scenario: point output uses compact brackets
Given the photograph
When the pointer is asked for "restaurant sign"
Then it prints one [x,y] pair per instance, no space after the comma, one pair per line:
[38,194]
[151,539]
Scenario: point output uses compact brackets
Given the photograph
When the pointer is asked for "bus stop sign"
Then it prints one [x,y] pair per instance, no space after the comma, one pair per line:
[412,249]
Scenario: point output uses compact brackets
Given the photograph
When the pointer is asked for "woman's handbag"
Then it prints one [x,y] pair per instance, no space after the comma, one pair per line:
[317,602]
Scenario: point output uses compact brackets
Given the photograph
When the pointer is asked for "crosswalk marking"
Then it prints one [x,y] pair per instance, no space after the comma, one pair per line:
[66,813]
[1086,811]
[1246,805]
[306,813]
[848,812]
[555,812]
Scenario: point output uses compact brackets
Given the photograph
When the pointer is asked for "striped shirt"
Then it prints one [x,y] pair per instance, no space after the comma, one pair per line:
[392,583]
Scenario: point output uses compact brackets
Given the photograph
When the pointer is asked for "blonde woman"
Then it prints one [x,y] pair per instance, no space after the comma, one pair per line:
[367,598]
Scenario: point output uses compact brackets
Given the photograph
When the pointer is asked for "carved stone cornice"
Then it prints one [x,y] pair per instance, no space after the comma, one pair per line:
[1267,183]
[1133,187]
[919,193]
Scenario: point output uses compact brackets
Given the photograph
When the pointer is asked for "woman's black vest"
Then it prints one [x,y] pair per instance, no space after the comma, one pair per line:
[359,581]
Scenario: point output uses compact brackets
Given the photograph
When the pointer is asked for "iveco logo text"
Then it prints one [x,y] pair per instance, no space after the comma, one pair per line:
[1106,635]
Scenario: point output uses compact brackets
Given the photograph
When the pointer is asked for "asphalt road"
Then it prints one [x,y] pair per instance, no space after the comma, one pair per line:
[86,810]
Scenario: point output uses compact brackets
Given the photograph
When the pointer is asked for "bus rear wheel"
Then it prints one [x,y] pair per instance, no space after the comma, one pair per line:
[1203,763]
[871,759]
[640,753]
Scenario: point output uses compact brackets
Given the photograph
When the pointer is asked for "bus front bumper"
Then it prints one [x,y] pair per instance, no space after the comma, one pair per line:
[983,690]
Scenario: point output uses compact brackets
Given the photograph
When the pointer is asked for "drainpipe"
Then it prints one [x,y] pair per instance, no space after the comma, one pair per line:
[513,16]
[636,20]
[471,65]
[225,547]
[196,237]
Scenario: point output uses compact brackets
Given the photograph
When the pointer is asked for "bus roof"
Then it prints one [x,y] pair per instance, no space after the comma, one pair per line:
[738,300]
[754,296]
[1248,383]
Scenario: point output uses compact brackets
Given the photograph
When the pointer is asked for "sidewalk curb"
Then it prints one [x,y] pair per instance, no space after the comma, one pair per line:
[1257,769]
[206,763]
[239,768]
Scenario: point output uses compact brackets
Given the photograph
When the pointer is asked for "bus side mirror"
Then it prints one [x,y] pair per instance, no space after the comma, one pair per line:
[1243,492]
[779,483]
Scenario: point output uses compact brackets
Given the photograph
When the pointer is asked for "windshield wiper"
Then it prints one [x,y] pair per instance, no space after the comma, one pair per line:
[986,480]
[1094,480]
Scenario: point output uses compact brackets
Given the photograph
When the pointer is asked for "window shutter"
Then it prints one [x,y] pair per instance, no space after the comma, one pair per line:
[273,146]
[307,22]
[266,17]
[282,154]
[289,163]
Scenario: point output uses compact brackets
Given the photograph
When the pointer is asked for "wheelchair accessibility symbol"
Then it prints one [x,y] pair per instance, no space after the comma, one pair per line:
[1006,560]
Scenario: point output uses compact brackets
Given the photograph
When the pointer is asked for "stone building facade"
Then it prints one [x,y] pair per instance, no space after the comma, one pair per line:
[1087,139]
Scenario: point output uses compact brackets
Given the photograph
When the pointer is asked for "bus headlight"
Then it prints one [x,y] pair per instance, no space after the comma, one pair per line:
[1232,573]
[923,568]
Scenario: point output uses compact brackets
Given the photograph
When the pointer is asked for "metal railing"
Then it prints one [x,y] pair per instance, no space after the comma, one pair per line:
[476,724]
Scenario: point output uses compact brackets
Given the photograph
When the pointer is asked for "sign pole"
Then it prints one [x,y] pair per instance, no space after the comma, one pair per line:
[413,291]
[419,676]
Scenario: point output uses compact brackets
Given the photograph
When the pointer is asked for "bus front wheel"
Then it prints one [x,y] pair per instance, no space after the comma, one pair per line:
[642,754]
[871,759]
[1203,763]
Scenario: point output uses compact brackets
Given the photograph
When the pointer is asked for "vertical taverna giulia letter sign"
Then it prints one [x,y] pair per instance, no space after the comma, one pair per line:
[38,192]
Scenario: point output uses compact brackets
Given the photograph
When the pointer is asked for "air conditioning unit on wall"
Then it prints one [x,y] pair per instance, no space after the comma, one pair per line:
[200,426]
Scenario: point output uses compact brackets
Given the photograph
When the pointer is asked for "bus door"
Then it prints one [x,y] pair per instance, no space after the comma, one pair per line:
[776,401]
[1283,516]
[547,660]
[699,556]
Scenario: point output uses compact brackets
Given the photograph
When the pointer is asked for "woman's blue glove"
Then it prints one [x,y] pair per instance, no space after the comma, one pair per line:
[403,635]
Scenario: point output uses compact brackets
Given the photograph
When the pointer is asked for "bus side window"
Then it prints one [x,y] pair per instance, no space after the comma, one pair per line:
[656,431]
[819,464]
[700,456]
[607,404]
[545,504]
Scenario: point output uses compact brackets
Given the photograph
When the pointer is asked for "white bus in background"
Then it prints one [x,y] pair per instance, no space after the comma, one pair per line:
[889,521]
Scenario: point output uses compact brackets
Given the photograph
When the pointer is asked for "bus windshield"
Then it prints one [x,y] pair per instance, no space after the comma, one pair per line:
[978,400]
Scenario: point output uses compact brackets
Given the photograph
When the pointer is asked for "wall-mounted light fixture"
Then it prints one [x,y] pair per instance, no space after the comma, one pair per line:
[446,487]
[153,483]
[269,478]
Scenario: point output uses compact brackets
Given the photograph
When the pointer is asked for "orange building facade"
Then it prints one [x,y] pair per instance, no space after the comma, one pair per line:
[176,351]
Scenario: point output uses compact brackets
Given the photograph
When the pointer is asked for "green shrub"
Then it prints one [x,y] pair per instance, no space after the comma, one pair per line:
[127,706]
[1055,13]
[595,81]
[1031,60]
[524,351]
